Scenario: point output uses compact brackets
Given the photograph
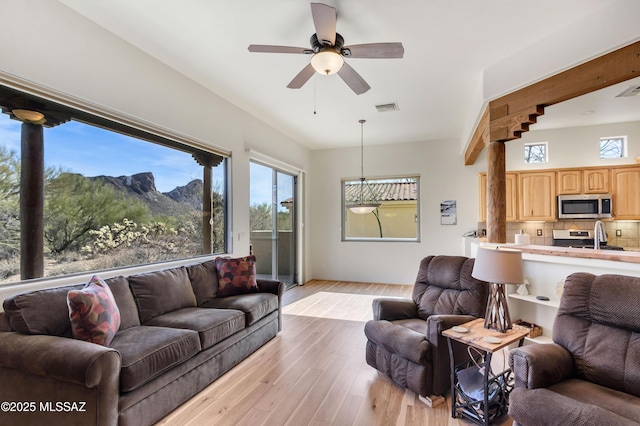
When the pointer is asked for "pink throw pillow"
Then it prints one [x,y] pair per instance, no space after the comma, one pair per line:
[93,312]
[236,276]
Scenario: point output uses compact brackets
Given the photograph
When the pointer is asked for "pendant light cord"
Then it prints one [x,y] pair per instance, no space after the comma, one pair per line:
[362,160]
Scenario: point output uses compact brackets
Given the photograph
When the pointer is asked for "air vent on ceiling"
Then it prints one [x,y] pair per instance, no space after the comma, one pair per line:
[629,91]
[387,107]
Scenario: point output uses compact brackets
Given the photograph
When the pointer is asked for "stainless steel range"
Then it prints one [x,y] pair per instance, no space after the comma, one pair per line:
[579,238]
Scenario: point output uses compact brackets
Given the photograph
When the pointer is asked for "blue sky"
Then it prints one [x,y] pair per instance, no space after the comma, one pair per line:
[91,151]
[262,185]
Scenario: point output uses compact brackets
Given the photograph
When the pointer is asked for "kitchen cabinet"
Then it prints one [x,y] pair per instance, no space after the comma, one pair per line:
[596,181]
[589,181]
[511,196]
[626,192]
[569,182]
[537,196]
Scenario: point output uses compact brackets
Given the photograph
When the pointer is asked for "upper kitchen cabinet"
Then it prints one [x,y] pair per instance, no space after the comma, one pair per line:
[537,196]
[626,192]
[588,181]
[596,181]
[511,199]
[569,182]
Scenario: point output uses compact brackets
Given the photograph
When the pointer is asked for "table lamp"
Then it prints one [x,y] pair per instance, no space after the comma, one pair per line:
[498,266]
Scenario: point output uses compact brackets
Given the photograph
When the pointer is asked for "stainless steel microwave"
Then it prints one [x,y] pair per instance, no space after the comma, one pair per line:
[585,206]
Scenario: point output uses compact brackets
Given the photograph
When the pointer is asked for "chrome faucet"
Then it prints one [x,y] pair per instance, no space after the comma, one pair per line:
[599,236]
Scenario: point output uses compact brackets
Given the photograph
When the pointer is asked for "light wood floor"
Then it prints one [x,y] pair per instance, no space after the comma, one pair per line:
[314,372]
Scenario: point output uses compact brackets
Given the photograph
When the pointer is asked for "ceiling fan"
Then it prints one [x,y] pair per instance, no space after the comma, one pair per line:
[328,50]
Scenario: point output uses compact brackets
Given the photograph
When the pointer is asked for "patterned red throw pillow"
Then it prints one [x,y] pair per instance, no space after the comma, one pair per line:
[93,312]
[236,276]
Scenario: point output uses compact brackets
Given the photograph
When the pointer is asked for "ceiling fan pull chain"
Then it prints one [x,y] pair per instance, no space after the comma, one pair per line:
[314,96]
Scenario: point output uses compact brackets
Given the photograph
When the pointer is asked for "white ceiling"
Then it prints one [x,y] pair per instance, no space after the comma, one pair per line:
[448,43]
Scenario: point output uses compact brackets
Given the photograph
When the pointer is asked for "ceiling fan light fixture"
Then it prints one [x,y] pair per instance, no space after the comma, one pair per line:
[327,62]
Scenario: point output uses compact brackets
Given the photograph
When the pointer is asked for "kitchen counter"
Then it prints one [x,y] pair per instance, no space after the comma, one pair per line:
[584,253]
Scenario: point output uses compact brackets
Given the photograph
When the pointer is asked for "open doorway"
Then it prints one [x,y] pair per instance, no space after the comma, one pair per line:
[273,223]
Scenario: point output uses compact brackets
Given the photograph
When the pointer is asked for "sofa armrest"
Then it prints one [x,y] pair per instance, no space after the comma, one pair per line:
[394,309]
[46,371]
[271,286]
[59,358]
[540,366]
[275,287]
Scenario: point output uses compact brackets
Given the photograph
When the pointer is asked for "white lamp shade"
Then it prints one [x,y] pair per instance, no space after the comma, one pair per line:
[498,265]
[327,62]
[362,208]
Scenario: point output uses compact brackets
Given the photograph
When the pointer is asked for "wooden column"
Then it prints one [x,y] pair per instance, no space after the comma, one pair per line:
[207,207]
[207,161]
[32,202]
[496,193]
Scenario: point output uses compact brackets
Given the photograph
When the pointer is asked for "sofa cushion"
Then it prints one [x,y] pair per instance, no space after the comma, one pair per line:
[124,299]
[93,312]
[26,314]
[212,325]
[236,276]
[163,291]
[255,306]
[204,280]
[147,352]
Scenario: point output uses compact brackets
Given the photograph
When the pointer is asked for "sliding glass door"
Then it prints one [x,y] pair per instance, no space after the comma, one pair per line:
[272,220]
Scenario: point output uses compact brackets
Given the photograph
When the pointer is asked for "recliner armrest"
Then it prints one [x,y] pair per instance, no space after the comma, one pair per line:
[436,324]
[394,309]
[540,366]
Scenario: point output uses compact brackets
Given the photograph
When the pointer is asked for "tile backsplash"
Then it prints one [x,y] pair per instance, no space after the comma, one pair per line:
[629,238]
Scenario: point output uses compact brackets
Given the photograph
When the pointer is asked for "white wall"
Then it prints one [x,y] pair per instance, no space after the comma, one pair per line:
[443,176]
[574,146]
[47,43]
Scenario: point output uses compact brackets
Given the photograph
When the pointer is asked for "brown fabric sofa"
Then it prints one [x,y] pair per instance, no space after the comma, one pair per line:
[175,338]
[404,339]
[591,374]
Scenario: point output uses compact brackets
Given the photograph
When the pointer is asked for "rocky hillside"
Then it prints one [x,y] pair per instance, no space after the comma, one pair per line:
[181,200]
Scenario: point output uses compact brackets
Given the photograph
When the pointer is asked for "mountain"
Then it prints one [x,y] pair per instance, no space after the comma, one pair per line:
[190,194]
[141,186]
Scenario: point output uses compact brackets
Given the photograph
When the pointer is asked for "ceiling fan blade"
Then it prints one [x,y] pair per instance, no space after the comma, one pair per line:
[374,50]
[324,19]
[302,77]
[265,48]
[353,79]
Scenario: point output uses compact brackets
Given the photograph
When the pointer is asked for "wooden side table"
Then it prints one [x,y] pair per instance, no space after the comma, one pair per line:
[480,397]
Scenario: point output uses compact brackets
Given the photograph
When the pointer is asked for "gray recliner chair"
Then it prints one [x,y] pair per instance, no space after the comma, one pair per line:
[590,375]
[404,339]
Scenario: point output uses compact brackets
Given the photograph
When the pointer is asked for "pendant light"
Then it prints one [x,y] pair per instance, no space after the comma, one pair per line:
[363,207]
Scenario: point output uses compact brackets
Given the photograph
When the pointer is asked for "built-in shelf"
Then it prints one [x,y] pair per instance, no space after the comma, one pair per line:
[531,298]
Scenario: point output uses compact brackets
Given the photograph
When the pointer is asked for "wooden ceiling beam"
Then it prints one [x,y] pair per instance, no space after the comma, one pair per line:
[615,67]
[479,140]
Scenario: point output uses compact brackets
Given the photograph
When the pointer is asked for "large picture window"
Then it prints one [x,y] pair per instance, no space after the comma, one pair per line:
[111,200]
[394,214]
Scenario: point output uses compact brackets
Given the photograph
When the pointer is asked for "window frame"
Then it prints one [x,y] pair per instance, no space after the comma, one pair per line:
[623,148]
[546,152]
[344,213]
[93,115]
